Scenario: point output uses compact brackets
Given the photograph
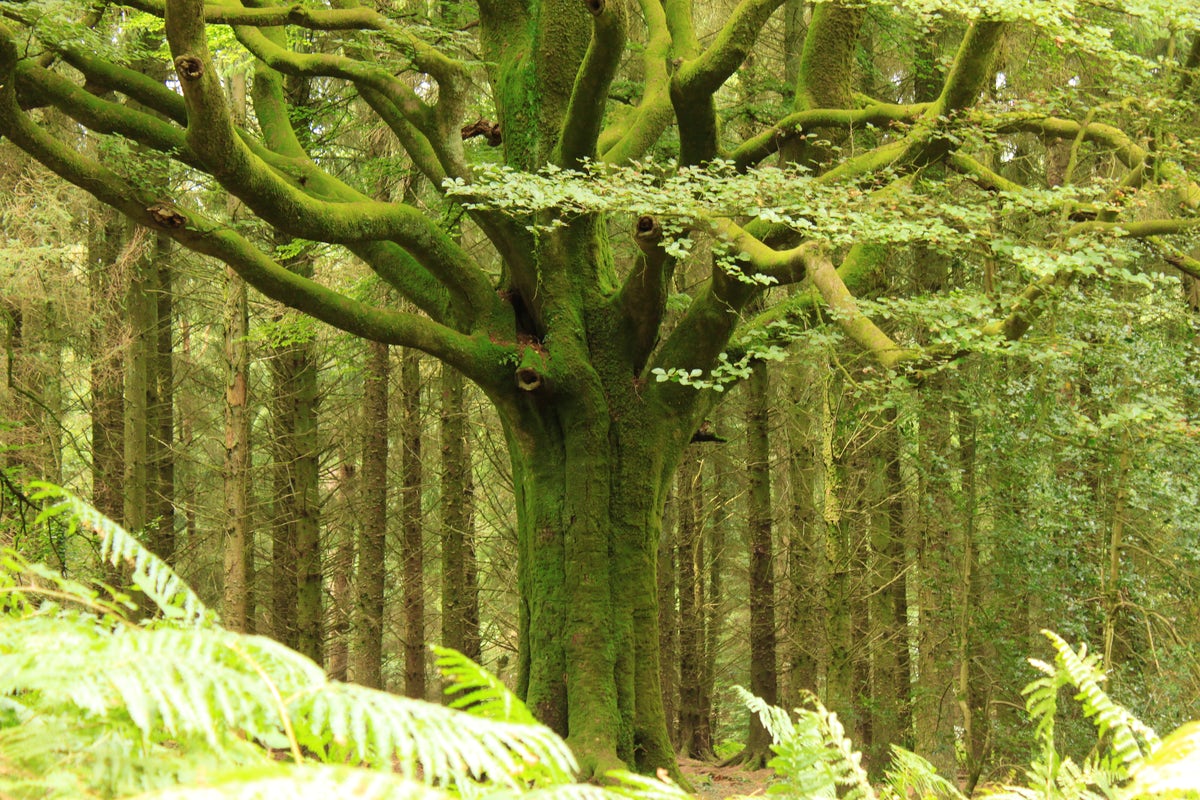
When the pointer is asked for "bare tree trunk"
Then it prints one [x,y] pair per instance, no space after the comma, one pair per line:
[107,276]
[372,533]
[160,406]
[412,545]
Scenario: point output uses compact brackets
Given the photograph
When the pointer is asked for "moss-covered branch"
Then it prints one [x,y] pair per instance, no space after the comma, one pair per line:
[698,78]
[475,357]
[211,135]
[853,322]
[794,125]
[633,136]
[585,111]
[343,17]
[642,298]
[298,15]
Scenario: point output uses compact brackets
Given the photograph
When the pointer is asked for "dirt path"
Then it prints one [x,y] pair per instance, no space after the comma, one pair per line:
[714,782]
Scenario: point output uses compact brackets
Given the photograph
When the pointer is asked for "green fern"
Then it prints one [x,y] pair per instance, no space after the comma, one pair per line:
[813,757]
[152,576]
[94,704]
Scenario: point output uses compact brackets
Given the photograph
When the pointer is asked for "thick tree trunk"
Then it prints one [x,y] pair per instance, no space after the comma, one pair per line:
[590,491]
[372,535]
[412,544]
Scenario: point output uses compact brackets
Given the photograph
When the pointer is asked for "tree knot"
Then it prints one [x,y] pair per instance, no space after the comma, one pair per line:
[189,68]
[595,7]
[166,215]
[488,130]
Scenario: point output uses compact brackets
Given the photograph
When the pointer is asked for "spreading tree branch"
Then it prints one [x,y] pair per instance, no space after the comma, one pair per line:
[585,111]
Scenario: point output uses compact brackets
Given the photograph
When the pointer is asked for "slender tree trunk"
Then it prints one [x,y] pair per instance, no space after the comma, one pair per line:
[372,533]
[161,404]
[803,649]
[237,612]
[763,675]
[934,712]
[691,608]
[892,721]
[412,545]
[668,619]
[719,530]
[142,313]
[342,574]
[296,556]
[107,276]
[972,689]
[460,594]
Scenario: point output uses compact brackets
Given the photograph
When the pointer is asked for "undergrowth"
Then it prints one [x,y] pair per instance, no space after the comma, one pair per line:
[104,697]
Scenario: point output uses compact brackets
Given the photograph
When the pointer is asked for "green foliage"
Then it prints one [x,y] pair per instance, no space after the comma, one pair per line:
[96,704]
[814,759]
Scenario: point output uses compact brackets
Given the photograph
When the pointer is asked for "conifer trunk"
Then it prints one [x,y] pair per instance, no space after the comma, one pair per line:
[372,533]
[412,544]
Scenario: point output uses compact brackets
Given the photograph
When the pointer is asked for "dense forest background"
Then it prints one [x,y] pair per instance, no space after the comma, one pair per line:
[893,542]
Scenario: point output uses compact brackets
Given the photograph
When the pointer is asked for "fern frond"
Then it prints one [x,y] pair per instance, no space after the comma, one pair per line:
[477,690]
[1173,767]
[813,757]
[1132,740]
[310,782]
[910,775]
[153,576]
[440,744]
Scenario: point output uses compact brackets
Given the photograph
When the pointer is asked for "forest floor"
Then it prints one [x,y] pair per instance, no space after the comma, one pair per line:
[714,782]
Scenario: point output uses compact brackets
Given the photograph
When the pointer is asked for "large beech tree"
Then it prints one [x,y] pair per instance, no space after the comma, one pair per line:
[599,387]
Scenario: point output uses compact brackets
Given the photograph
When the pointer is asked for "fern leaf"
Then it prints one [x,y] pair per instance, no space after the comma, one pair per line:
[910,775]
[1132,740]
[478,690]
[310,782]
[1174,767]
[152,575]
[443,745]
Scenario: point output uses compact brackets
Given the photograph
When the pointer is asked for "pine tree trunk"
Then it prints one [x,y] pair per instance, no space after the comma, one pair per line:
[341,567]
[106,280]
[161,405]
[296,557]
[763,674]
[691,606]
[460,594]
[412,544]
[668,618]
[372,533]
[238,534]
